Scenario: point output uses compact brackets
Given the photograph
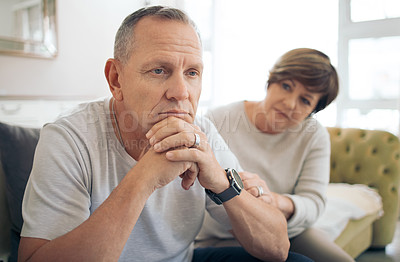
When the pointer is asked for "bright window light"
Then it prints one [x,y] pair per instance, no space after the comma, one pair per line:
[368,10]
[374,68]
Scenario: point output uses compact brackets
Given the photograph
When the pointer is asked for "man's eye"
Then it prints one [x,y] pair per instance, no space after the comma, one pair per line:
[158,71]
[193,73]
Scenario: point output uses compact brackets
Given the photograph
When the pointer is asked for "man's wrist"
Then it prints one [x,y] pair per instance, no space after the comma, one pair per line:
[222,183]
[234,189]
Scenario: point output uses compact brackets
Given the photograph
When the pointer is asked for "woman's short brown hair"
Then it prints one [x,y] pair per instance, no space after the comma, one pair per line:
[310,67]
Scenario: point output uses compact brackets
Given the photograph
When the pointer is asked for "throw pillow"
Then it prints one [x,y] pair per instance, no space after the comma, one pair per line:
[348,202]
[17,148]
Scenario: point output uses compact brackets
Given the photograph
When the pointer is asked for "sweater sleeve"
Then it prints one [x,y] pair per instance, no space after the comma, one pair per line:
[309,195]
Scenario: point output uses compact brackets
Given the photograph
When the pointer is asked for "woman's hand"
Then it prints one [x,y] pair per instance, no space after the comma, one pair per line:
[256,186]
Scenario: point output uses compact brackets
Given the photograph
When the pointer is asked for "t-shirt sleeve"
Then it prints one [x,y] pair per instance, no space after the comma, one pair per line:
[57,196]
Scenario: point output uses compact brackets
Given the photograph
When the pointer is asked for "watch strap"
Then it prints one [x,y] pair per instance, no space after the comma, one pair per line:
[222,197]
[232,191]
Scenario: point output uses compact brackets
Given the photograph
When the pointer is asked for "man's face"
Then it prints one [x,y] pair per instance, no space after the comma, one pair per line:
[163,76]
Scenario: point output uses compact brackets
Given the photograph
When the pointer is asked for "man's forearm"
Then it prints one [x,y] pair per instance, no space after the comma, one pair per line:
[102,236]
[260,228]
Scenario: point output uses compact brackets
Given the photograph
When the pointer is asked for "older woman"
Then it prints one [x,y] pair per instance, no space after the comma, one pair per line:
[284,150]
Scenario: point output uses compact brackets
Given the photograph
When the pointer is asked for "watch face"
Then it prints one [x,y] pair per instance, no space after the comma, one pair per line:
[237,178]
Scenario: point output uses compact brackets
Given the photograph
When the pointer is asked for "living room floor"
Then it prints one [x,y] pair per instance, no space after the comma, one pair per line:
[390,254]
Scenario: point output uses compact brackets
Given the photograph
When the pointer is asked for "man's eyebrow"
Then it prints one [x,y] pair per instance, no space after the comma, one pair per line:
[199,66]
[155,63]
[164,63]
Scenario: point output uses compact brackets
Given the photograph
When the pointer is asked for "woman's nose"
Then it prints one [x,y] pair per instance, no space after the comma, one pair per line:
[290,101]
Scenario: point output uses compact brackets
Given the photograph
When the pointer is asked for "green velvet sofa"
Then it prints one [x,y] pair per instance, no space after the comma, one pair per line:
[369,157]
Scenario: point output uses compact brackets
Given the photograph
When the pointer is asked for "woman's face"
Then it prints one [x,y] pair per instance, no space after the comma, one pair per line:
[286,105]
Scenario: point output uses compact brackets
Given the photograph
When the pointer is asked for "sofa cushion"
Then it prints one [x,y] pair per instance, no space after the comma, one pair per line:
[357,235]
[17,147]
[347,202]
[370,157]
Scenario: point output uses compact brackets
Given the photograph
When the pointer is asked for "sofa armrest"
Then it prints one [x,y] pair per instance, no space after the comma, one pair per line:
[370,157]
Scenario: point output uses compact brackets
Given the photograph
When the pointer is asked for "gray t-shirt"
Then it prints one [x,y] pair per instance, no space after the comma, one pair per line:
[294,162]
[79,161]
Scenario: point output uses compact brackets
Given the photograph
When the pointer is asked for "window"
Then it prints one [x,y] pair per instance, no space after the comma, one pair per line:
[369,64]
[368,10]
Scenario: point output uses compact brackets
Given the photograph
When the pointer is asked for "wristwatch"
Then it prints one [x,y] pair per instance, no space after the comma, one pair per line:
[235,187]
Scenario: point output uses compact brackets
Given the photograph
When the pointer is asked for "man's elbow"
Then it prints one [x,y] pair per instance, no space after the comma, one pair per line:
[282,251]
[28,247]
[279,251]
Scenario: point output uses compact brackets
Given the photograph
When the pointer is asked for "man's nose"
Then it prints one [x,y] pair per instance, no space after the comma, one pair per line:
[177,88]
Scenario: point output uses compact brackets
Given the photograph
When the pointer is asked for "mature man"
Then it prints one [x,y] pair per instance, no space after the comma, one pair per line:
[124,178]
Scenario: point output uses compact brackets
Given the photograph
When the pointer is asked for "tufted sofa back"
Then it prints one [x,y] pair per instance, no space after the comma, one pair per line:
[370,157]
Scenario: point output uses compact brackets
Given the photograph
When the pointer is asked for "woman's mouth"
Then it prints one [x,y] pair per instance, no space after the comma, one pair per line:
[281,114]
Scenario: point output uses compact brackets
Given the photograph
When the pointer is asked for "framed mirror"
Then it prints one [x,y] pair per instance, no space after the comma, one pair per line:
[28,28]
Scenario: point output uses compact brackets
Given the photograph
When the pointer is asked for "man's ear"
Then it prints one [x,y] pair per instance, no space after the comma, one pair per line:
[112,72]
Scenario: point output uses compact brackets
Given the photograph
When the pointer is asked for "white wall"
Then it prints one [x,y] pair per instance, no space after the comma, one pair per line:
[5,15]
[86,31]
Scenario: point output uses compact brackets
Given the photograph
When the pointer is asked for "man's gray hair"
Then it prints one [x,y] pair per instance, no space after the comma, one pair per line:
[124,39]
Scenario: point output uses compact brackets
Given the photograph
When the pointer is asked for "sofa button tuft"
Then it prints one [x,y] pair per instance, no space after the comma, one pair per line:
[374,150]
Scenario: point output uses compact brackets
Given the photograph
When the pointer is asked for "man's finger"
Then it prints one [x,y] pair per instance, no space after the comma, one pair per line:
[167,127]
[189,177]
[184,139]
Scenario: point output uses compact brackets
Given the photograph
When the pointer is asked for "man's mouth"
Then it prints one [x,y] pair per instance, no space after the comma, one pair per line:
[176,113]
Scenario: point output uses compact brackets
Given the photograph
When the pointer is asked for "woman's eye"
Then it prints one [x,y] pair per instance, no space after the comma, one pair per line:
[305,101]
[285,86]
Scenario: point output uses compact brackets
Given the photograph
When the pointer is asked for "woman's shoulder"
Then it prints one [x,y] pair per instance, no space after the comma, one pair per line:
[229,117]
[225,112]
[313,124]
[313,128]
